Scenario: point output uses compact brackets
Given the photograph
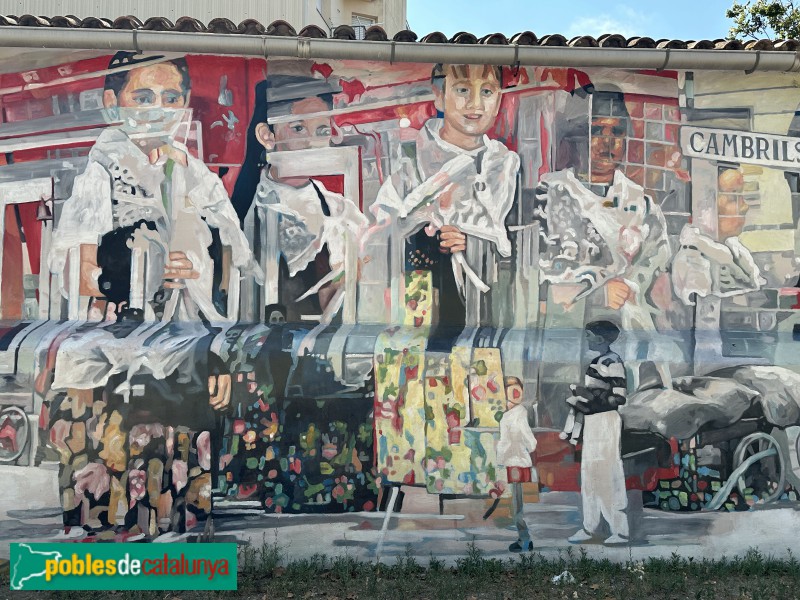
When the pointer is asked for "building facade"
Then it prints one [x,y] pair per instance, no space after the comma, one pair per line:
[309,284]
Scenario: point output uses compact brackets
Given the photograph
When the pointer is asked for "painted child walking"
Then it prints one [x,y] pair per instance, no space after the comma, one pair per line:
[514,449]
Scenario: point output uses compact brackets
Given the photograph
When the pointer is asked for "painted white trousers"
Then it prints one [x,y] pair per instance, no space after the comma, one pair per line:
[602,479]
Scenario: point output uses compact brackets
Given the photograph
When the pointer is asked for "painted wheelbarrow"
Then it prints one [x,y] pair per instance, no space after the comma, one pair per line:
[739,423]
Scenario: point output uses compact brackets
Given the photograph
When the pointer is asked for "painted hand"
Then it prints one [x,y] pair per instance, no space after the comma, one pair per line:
[178,269]
[160,155]
[453,240]
[617,294]
[219,391]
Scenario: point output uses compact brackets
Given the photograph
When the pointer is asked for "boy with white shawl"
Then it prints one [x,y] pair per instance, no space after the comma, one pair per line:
[445,206]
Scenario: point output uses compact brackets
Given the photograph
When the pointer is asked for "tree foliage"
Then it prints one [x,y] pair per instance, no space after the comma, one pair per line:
[764,19]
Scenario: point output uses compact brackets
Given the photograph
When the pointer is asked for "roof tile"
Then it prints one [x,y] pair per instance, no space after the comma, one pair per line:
[612,40]
[405,35]
[463,37]
[672,44]
[788,45]
[190,25]
[759,45]
[126,22]
[436,37]
[524,38]
[31,21]
[281,28]
[584,41]
[158,24]
[729,45]
[344,32]
[377,33]
[555,39]
[68,21]
[494,39]
[95,23]
[222,26]
[641,42]
[313,31]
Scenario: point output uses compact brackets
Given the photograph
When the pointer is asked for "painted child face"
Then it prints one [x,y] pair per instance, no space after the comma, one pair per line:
[153,86]
[301,133]
[607,148]
[471,98]
[513,394]
[596,342]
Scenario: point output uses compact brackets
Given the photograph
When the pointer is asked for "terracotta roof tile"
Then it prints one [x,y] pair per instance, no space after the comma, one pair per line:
[377,33]
[612,40]
[436,37]
[463,37]
[759,45]
[191,25]
[524,38]
[127,22]
[95,23]
[584,41]
[641,42]
[494,39]
[280,28]
[158,24]
[729,45]
[405,35]
[344,32]
[555,39]
[788,45]
[222,26]
[672,44]
[68,21]
[313,31]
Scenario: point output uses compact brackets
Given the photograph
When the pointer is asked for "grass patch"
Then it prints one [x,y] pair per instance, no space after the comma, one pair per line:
[266,573]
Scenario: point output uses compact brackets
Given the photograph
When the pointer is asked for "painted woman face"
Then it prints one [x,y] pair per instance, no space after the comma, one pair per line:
[306,131]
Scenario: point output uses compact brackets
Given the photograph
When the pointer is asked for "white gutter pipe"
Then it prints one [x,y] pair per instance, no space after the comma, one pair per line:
[269,46]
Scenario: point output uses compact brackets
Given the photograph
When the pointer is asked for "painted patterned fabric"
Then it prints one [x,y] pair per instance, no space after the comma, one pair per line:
[399,387]
[298,441]
[464,401]
[119,477]
[436,414]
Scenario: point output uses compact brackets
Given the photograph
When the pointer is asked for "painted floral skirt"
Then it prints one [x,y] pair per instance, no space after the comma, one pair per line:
[121,475]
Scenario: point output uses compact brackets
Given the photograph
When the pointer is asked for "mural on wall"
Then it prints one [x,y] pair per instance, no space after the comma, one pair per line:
[296,286]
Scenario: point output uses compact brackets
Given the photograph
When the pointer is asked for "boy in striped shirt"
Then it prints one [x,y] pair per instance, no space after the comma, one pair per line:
[602,479]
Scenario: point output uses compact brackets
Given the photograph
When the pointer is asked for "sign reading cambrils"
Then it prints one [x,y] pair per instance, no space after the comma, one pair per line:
[777,151]
[123,566]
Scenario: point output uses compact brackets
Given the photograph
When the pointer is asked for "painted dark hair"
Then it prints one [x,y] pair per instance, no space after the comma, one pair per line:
[605,329]
[439,73]
[254,159]
[611,104]
[118,77]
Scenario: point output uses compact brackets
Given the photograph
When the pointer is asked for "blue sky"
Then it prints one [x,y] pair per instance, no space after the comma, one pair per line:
[675,19]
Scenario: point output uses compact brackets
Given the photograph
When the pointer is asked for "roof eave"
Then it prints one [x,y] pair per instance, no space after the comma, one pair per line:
[391,51]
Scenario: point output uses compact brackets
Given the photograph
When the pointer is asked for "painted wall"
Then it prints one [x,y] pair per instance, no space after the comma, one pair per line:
[535,295]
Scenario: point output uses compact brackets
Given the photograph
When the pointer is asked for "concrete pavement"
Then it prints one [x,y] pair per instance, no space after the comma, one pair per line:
[29,512]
